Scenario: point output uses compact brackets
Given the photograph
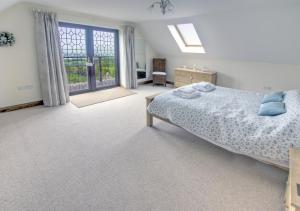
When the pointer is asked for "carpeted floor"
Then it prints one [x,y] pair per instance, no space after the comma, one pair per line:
[103,157]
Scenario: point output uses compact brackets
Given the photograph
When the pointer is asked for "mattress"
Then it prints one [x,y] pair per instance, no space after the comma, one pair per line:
[228,118]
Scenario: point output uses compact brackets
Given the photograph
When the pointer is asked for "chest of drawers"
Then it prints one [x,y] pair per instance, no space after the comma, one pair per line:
[188,76]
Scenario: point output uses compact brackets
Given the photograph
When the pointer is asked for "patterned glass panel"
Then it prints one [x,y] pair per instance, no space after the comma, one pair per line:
[104,58]
[73,44]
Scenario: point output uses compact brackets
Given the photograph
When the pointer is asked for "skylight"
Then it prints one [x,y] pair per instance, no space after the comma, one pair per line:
[187,38]
[189,34]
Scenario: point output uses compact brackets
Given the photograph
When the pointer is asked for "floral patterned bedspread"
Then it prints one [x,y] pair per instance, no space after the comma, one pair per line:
[228,118]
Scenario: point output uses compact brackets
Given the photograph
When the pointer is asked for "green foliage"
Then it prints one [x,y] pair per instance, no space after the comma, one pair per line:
[78,71]
[7,39]
[107,65]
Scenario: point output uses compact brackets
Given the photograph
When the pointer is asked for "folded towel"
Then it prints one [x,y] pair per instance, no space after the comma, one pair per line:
[186,90]
[204,87]
[183,95]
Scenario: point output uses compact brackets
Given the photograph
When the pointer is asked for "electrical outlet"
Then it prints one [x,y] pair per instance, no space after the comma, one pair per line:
[25,87]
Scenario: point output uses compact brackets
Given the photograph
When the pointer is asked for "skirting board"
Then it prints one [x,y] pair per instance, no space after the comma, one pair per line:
[21,106]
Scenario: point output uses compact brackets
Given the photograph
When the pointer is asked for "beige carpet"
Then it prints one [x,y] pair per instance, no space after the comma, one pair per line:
[104,158]
[92,98]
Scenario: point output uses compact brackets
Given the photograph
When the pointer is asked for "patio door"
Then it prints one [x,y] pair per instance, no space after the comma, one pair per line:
[91,57]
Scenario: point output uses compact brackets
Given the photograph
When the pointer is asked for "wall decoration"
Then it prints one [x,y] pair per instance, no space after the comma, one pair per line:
[6,39]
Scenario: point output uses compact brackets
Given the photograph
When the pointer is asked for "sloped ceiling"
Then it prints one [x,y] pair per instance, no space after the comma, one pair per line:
[136,10]
[253,30]
[266,34]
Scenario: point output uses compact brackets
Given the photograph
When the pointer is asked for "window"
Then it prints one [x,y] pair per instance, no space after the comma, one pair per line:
[187,38]
[91,56]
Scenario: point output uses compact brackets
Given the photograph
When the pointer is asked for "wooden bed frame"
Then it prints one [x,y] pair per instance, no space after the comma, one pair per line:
[150,117]
[291,196]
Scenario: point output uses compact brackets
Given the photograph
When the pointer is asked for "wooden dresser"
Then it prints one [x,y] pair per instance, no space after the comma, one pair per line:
[292,196]
[188,76]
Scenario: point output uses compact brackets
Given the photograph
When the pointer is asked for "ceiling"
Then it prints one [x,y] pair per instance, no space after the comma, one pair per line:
[137,10]
[254,30]
[268,35]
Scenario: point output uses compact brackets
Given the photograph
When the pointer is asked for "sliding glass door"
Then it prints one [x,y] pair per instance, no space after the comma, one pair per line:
[91,57]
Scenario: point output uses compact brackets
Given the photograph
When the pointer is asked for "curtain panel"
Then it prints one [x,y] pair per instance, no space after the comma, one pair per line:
[129,43]
[52,73]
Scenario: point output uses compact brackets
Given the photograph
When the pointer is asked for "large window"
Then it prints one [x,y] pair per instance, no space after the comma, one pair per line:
[187,38]
[91,56]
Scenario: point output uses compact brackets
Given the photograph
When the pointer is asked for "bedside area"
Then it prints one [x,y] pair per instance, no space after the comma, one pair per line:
[292,196]
[185,76]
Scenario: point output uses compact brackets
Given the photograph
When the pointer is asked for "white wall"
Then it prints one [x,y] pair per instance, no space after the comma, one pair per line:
[19,82]
[18,66]
[250,49]
[150,53]
[245,75]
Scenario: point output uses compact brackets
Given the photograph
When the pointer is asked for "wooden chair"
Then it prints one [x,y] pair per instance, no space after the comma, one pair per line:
[159,72]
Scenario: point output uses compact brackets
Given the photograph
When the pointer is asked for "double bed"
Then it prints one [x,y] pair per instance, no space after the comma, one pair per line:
[229,118]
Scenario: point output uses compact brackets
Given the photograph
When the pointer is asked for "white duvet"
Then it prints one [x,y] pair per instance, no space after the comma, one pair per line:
[228,118]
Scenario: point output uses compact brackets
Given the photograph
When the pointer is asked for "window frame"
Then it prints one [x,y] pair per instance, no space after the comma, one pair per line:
[181,42]
[182,36]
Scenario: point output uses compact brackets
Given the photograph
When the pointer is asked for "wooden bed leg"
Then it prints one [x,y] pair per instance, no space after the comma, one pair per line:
[149,117]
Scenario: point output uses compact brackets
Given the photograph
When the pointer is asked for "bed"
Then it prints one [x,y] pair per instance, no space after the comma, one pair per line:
[228,118]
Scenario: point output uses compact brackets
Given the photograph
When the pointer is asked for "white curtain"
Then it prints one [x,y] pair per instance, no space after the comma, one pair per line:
[53,76]
[129,43]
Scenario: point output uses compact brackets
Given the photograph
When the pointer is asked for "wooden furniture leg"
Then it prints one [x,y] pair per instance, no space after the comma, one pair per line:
[149,117]
[149,120]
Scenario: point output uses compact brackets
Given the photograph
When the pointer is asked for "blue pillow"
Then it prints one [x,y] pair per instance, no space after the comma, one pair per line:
[272,109]
[274,97]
